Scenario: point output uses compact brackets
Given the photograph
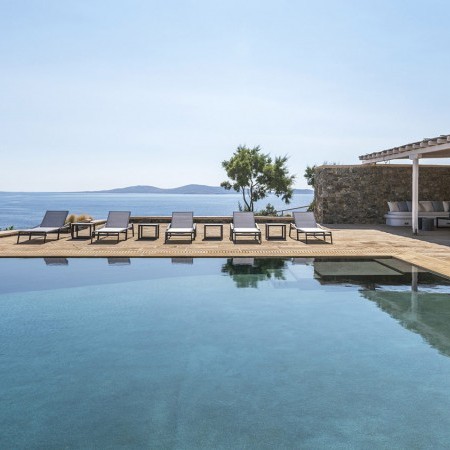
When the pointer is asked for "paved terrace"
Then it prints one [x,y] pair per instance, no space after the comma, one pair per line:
[430,250]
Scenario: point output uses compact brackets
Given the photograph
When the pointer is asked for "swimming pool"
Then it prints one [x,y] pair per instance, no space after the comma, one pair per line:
[223,353]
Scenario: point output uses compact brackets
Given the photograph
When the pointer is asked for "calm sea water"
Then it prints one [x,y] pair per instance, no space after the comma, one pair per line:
[27,209]
[223,354]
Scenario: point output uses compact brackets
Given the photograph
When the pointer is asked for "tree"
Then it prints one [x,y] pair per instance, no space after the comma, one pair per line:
[255,175]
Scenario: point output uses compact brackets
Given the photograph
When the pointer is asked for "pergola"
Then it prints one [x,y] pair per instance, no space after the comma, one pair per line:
[438,147]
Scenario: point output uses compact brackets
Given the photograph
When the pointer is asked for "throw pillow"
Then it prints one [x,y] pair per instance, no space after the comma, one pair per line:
[427,205]
[393,206]
[402,206]
[438,206]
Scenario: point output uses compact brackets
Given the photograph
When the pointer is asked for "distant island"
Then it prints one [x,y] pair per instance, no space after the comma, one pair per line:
[188,189]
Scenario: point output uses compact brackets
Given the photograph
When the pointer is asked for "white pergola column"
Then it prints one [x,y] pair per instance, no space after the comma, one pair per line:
[415,193]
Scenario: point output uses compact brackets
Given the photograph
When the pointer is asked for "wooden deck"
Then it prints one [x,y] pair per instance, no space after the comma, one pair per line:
[430,250]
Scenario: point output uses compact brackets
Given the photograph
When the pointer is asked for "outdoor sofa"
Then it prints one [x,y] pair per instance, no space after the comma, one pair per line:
[244,224]
[305,223]
[117,223]
[53,222]
[400,213]
[182,224]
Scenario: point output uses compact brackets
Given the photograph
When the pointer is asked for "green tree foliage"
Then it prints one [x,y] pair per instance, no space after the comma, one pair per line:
[255,175]
[310,173]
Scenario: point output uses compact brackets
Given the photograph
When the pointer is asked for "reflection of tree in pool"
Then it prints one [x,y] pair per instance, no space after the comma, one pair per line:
[249,275]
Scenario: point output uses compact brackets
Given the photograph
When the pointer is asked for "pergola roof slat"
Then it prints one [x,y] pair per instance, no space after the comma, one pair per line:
[437,147]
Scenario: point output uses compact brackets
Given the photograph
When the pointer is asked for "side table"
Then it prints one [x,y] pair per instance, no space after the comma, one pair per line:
[77,226]
[211,225]
[281,226]
[141,227]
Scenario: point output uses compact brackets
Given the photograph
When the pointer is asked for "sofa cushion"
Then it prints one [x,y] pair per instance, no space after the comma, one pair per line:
[402,206]
[409,204]
[438,206]
[393,206]
[446,206]
[426,205]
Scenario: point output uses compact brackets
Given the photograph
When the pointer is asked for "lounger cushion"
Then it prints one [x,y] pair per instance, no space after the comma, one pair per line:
[180,230]
[40,230]
[246,230]
[312,230]
[111,230]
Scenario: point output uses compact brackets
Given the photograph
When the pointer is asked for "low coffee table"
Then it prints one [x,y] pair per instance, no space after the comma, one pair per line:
[281,226]
[155,227]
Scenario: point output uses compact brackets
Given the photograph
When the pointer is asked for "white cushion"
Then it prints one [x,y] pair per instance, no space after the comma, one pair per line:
[312,230]
[246,230]
[180,230]
[446,206]
[427,206]
[111,230]
[393,206]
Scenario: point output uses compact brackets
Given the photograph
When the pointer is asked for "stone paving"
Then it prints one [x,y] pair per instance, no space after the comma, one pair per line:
[430,250]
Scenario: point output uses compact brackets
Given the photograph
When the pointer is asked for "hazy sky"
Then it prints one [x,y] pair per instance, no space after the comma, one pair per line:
[102,94]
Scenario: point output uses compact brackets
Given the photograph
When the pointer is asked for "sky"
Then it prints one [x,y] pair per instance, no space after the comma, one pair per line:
[104,94]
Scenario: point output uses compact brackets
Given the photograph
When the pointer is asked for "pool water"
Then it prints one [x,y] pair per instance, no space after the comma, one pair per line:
[223,353]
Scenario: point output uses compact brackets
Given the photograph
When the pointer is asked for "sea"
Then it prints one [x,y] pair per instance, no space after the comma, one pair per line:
[26,209]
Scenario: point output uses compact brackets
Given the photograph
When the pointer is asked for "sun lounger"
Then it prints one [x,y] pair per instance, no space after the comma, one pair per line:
[182,224]
[118,222]
[53,222]
[305,223]
[244,225]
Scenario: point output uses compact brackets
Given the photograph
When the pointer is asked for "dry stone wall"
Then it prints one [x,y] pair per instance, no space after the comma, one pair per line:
[359,194]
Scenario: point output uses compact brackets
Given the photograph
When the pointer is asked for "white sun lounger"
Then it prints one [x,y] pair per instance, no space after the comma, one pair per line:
[53,222]
[305,223]
[182,224]
[244,225]
[118,223]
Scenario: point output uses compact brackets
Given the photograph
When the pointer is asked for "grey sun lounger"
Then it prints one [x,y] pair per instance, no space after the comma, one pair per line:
[118,223]
[305,223]
[244,225]
[182,224]
[53,222]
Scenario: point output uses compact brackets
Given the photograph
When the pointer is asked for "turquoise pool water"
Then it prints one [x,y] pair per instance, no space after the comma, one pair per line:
[219,354]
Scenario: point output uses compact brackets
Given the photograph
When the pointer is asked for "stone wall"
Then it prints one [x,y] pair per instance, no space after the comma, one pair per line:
[358,194]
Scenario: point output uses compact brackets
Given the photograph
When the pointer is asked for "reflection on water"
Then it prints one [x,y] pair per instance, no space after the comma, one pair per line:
[425,313]
[56,261]
[248,272]
[417,299]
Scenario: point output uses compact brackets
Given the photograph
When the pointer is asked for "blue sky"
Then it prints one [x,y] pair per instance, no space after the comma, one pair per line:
[102,94]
